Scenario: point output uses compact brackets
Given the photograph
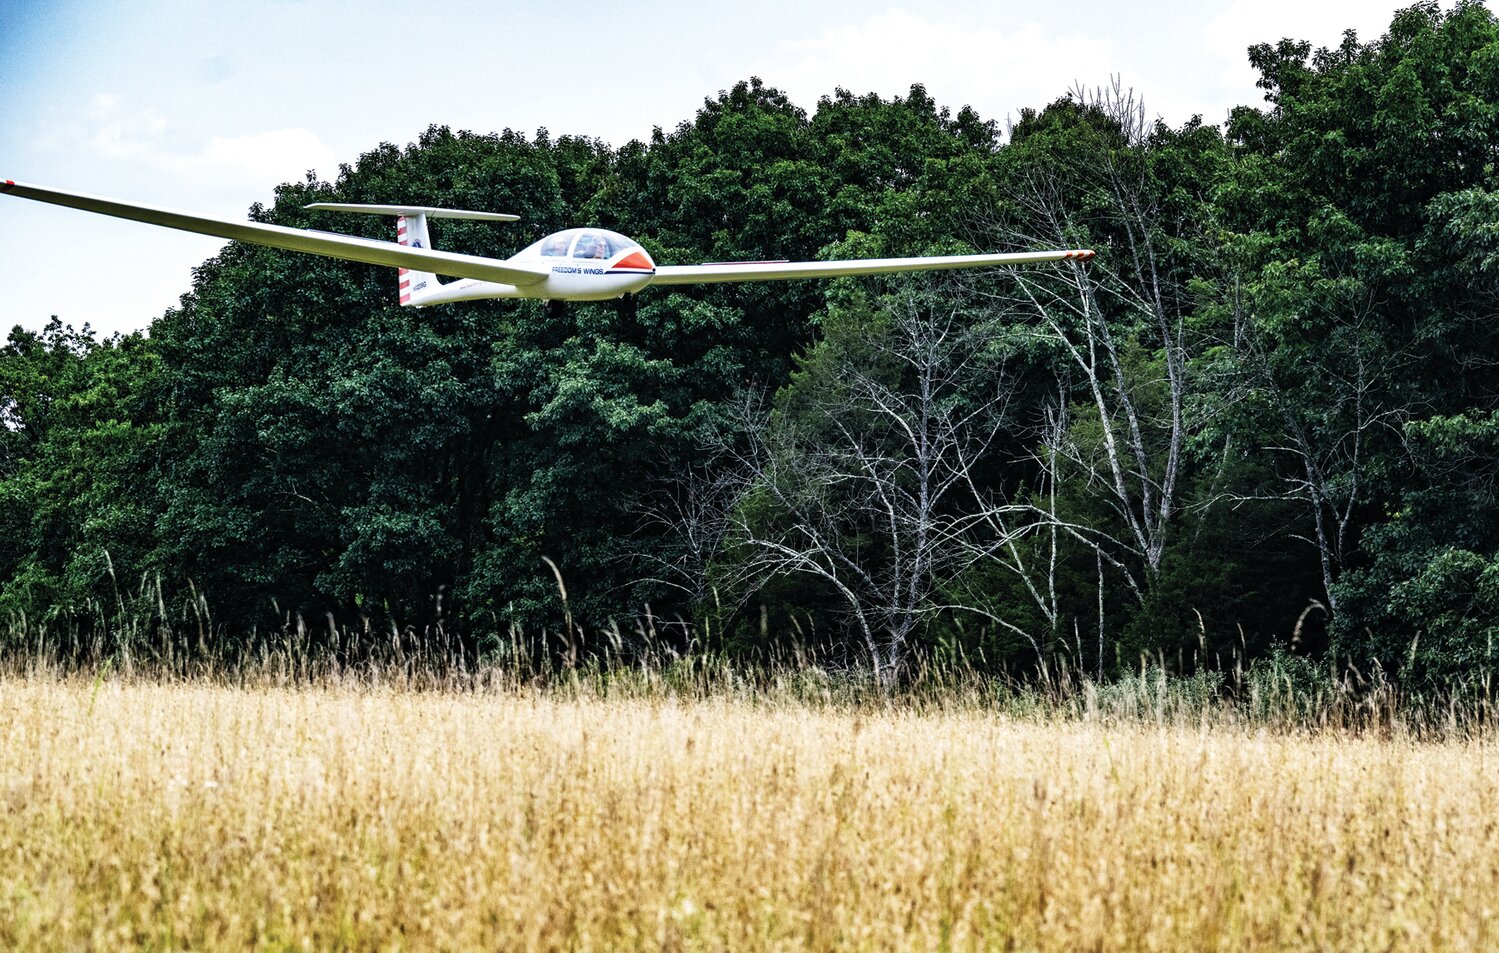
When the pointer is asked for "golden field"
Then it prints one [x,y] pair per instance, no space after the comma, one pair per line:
[193,816]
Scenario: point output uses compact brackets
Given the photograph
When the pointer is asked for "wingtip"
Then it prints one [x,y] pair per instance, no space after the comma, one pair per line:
[8,185]
[1082,254]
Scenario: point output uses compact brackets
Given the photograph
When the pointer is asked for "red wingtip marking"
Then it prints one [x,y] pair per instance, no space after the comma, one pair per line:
[8,185]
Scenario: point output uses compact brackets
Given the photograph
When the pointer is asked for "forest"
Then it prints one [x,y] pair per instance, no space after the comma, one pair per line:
[1264,420]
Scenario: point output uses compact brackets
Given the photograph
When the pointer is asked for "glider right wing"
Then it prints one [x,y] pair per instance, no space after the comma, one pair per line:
[779,270]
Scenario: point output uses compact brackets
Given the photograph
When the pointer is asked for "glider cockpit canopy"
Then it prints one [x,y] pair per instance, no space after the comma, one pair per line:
[597,243]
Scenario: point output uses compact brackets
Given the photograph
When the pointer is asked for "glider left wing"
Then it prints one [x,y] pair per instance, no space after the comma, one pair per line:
[328,244]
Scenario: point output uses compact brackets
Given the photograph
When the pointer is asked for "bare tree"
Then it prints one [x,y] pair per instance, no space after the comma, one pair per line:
[883,487]
[1328,405]
[869,486]
[1027,536]
[1128,298]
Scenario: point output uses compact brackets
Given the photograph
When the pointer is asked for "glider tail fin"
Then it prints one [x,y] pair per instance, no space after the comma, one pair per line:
[411,230]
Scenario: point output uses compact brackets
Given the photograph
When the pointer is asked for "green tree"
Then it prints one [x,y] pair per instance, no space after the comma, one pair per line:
[1359,298]
[80,436]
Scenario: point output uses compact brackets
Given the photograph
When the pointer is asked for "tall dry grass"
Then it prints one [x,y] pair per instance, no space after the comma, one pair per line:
[183,815]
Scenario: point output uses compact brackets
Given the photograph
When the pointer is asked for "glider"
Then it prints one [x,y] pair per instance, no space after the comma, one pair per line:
[578,264]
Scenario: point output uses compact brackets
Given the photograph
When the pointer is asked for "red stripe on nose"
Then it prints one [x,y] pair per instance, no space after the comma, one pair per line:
[637,259]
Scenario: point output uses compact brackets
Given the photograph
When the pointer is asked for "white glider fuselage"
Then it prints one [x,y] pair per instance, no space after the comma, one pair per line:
[581,264]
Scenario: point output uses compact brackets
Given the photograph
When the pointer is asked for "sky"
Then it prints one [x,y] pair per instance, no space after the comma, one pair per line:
[207,105]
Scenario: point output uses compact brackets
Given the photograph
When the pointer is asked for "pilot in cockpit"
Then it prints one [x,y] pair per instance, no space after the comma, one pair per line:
[591,246]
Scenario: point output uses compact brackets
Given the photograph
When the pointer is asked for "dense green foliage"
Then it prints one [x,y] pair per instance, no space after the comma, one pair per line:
[1265,417]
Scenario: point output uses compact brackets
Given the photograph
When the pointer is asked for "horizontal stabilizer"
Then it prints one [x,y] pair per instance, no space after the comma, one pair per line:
[413,210]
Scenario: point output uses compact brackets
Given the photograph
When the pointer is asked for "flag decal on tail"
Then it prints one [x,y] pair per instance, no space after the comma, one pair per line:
[403,274]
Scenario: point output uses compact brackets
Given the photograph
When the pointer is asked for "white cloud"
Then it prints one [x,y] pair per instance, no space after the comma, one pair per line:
[147,139]
[267,156]
[118,275]
[995,71]
[135,138]
[1246,22]
[104,104]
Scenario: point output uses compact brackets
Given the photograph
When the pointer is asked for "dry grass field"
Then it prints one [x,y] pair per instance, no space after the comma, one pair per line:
[191,816]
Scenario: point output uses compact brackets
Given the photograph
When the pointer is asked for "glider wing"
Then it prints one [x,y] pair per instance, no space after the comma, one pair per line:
[327,244]
[772,270]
